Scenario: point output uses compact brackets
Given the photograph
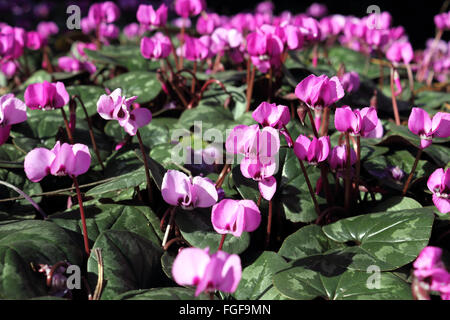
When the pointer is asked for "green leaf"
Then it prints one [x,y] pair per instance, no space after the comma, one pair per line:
[142,84]
[388,239]
[32,241]
[196,228]
[138,219]
[256,282]
[130,261]
[89,95]
[159,294]
[397,204]
[209,117]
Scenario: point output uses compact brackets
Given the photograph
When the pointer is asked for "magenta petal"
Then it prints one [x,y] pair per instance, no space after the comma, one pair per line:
[61,97]
[263,112]
[176,188]
[189,266]
[269,142]
[324,148]
[231,274]
[105,107]
[64,162]
[369,120]
[419,121]
[14,110]
[4,134]
[301,147]
[442,204]
[204,191]
[224,215]
[252,215]
[441,125]
[82,160]
[35,96]
[239,137]
[435,180]
[37,163]
[343,119]
[428,258]
[425,143]
[142,116]
[267,187]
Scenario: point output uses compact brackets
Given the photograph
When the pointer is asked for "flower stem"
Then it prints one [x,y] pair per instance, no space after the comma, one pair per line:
[408,181]
[174,52]
[381,80]
[250,87]
[180,61]
[325,121]
[23,194]
[83,218]
[313,125]
[169,226]
[411,82]
[174,87]
[222,240]
[222,175]
[194,70]
[348,184]
[269,224]
[147,171]
[358,162]
[422,71]
[91,132]
[66,123]
[394,99]
[311,191]
[270,85]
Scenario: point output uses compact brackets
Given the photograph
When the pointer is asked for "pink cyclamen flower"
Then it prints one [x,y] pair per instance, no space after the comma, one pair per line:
[400,52]
[314,151]
[196,267]
[46,95]
[259,148]
[194,49]
[147,16]
[442,21]
[12,111]
[317,10]
[47,28]
[156,47]
[103,12]
[118,107]
[179,190]
[187,8]
[34,40]
[275,116]
[439,184]
[62,160]
[319,92]
[132,30]
[265,49]
[338,158]
[356,122]
[235,216]
[207,23]
[350,81]
[421,124]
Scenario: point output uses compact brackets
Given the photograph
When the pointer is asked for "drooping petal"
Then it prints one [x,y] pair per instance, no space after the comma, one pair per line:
[344,119]
[239,137]
[267,187]
[252,215]
[105,107]
[35,96]
[301,147]
[82,160]
[369,120]
[14,110]
[440,125]
[204,191]
[231,274]
[435,180]
[142,116]
[61,97]
[419,121]
[189,266]
[442,204]
[64,162]
[176,188]
[324,150]
[37,163]
[224,215]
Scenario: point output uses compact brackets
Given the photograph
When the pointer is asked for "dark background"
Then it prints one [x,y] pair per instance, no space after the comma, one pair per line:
[415,16]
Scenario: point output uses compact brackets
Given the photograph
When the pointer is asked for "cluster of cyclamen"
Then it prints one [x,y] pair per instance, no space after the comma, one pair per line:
[14,40]
[100,19]
[431,274]
[196,267]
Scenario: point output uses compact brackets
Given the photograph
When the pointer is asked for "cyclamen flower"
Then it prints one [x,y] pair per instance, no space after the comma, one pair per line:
[265,49]
[132,30]
[439,184]
[12,111]
[357,122]
[235,216]
[207,24]
[62,160]
[47,28]
[103,12]
[34,40]
[419,123]
[147,16]
[275,116]
[179,190]
[194,49]
[70,64]
[187,8]
[350,81]
[157,47]
[338,158]
[259,148]
[442,21]
[400,52]
[196,267]
[118,107]
[317,10]
[46,95]
[319,92]
[314,151]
